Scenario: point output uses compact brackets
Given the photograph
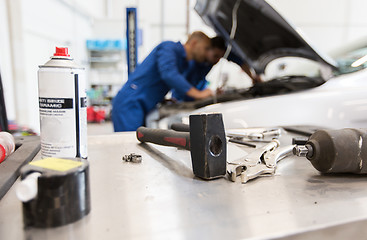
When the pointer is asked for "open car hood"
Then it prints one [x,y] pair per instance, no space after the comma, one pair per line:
[262,34]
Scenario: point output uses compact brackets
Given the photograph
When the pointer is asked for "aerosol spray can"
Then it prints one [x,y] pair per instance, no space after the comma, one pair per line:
[62,106]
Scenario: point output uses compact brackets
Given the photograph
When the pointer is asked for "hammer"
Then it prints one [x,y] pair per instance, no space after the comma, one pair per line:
[206,142]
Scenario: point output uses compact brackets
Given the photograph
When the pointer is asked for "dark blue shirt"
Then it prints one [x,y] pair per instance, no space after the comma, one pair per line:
[196,73]
[161,71]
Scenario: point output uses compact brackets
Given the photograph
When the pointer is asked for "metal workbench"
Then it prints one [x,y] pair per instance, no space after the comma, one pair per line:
[161,199]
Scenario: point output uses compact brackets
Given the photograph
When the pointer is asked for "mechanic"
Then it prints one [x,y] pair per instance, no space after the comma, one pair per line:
[161,71]
[197,72]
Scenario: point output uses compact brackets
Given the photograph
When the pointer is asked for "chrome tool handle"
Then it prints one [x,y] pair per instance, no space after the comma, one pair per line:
[255,157]
[271,159]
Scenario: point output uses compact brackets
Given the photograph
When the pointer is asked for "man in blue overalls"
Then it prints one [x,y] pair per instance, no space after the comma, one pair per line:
[161,71]
[197,71]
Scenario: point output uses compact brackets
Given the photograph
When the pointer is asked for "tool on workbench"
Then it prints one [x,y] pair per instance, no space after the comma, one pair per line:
[7,145]
[62,107]
[261,161]
[299,140]
[238,141]
[206,142]
[237,137]
[251,134]
[54,192]
[336,151]
[132,157]
[180,127]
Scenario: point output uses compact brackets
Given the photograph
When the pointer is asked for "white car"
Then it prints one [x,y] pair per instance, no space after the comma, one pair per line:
[333,96]
[340,102]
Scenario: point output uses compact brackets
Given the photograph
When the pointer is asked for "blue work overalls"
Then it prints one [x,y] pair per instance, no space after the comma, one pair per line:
[160,72]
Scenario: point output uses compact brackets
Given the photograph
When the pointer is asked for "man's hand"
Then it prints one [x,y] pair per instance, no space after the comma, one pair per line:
[219,91]
[197,94]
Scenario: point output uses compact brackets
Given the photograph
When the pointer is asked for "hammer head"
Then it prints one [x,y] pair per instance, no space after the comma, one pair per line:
[208,145]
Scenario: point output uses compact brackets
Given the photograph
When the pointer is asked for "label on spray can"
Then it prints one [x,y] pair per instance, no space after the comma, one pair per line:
[62,105]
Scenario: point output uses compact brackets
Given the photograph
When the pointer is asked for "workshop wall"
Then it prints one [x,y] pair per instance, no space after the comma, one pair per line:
[34,29]
[5,61]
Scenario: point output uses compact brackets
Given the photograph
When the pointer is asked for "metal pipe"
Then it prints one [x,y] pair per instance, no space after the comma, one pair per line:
[162,20]
[187,18]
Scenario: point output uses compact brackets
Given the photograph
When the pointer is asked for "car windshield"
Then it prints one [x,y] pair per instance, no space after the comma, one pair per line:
[351,60]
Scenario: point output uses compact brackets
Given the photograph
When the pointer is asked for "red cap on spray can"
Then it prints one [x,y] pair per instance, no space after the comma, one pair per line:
[61,52]
[7,145]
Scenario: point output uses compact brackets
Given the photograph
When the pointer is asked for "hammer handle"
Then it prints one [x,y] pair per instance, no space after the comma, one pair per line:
[180,127]
[164,137]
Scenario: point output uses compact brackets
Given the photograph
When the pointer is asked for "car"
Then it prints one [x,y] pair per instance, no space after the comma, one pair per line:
[327,92]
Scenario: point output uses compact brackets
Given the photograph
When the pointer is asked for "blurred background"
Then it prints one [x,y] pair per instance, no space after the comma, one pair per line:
[95,33]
